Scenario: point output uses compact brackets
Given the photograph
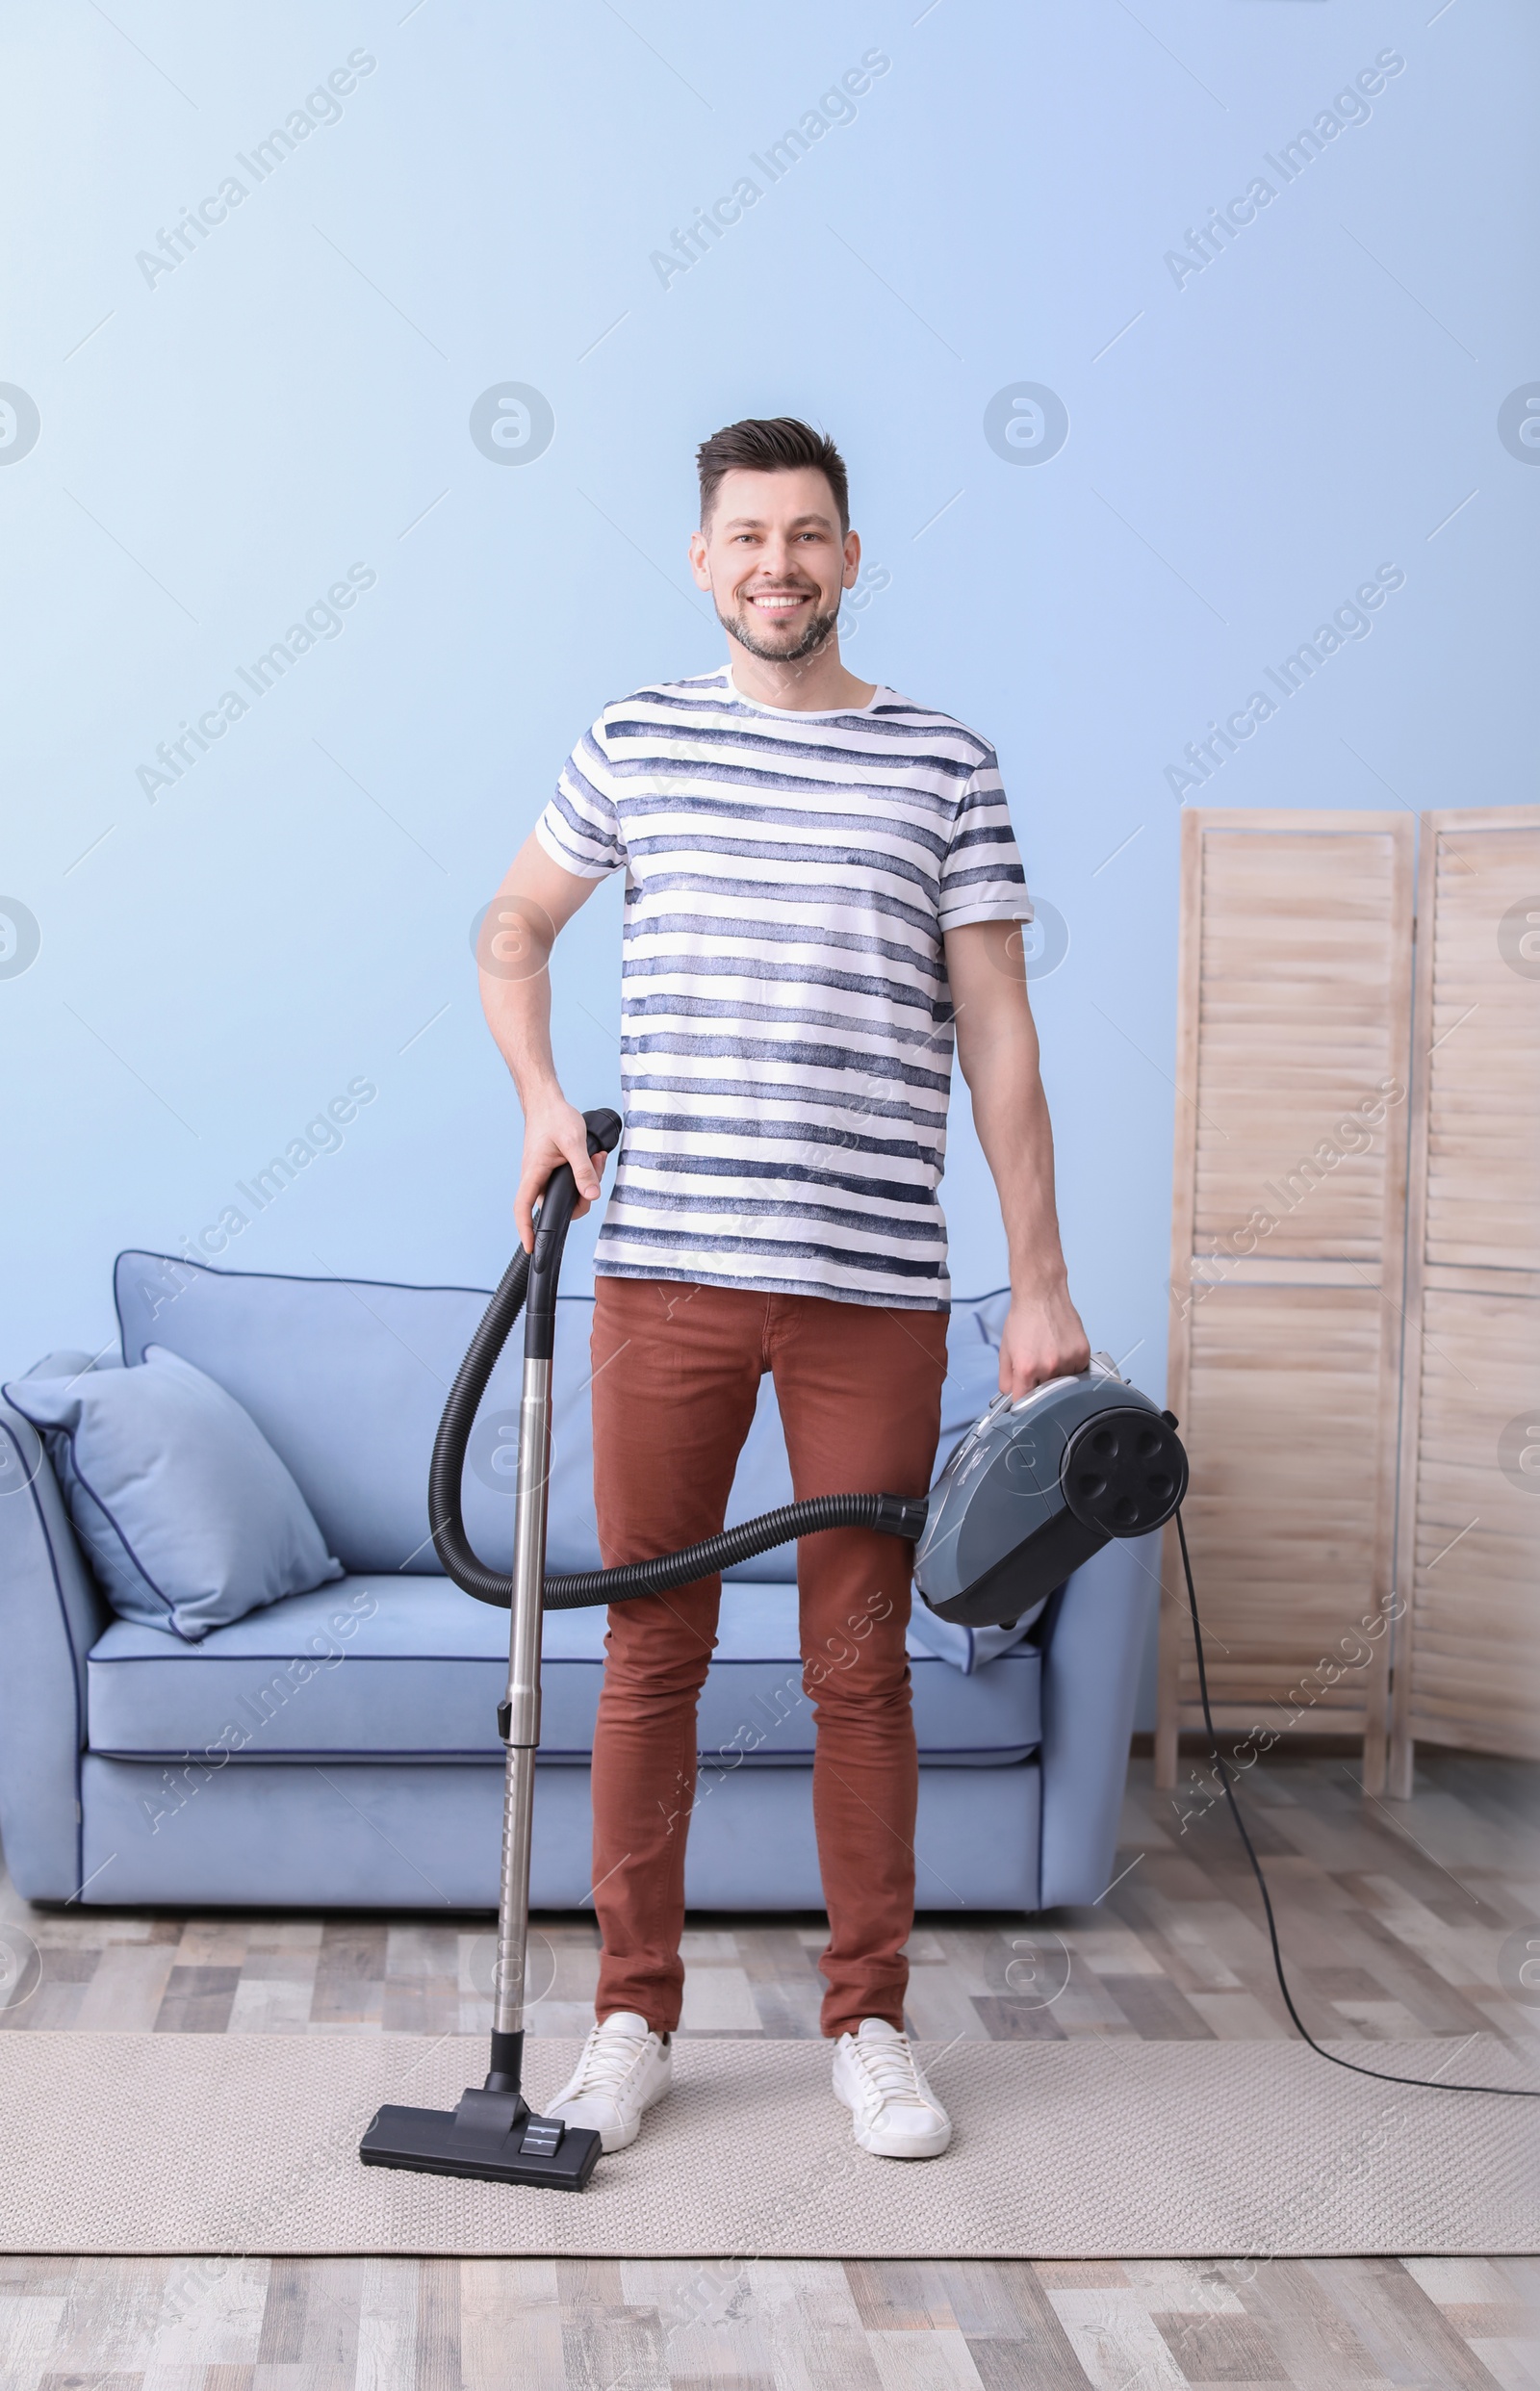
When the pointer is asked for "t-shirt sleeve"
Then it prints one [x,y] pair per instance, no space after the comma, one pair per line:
[982,879]
[580,828]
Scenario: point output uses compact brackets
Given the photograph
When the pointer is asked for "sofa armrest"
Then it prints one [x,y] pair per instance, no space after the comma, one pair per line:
[1094,1655]
[51,1613]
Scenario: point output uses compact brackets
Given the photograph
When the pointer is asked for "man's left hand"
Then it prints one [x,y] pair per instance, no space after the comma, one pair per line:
[1044,1339]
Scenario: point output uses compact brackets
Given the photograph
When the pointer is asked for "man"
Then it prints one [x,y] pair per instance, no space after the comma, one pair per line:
[821,889]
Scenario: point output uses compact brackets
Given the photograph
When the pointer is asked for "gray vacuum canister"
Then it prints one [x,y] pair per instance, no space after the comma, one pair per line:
[1037,1486]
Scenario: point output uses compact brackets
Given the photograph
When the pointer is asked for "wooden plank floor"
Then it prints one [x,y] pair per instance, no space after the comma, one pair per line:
[1396,1920]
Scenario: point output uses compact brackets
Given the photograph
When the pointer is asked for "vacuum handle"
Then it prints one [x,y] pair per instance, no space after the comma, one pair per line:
[556,1208]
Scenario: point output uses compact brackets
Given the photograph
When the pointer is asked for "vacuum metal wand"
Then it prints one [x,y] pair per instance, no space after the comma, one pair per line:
[520,1721]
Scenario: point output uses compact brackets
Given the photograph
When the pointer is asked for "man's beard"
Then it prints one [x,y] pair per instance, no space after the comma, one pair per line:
[819,631]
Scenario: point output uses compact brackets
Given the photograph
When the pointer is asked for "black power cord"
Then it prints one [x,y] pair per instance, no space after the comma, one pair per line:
[1424,2083]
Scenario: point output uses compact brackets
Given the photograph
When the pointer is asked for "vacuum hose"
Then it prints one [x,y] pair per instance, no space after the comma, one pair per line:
[891,1515]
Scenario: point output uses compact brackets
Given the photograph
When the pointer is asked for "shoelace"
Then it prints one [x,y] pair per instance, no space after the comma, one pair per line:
[606,2062]
[890,2070]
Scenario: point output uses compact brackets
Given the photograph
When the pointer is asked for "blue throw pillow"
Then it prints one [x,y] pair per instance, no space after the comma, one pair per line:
[188,1516]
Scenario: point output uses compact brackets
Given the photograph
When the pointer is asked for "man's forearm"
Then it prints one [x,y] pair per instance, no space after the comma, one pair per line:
[1011,1115]
[997,1048]
[526,913]
[517,1015]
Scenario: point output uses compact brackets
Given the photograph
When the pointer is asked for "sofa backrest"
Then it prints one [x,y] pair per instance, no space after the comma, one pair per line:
[346,1378]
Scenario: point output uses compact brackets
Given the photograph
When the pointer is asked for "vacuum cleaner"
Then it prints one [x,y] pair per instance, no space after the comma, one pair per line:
[1033,1490]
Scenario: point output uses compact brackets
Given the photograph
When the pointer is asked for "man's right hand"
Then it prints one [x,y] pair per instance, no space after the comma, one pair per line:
[555,1132]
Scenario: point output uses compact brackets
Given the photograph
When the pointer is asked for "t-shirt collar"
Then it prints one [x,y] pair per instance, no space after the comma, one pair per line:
[801,713]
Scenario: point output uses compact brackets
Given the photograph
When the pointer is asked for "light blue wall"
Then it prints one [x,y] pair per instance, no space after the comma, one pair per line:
[219,444]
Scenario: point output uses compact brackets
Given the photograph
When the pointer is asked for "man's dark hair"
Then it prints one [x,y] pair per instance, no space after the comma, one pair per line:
[776,444]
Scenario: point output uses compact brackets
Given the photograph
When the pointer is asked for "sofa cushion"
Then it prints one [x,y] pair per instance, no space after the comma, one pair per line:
[346,1379]
[409,1667]
[967,1648]
[189,1517]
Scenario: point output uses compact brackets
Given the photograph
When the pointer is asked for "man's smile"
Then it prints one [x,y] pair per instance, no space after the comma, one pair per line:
[780,602]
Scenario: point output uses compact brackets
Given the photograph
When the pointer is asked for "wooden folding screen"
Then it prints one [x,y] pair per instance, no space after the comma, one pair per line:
[1468,1552]
[1287,1259]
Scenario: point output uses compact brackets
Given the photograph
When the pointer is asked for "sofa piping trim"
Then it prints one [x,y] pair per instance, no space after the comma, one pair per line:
[401,1286]
[476,1659]
[991,1755]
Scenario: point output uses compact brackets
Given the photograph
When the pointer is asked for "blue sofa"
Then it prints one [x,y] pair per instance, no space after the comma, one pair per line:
[338,1748]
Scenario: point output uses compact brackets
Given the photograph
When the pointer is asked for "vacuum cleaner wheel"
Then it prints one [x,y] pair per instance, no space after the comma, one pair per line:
[1124,1471]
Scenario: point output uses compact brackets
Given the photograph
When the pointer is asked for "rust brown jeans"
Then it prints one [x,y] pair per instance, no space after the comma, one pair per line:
[676,1374]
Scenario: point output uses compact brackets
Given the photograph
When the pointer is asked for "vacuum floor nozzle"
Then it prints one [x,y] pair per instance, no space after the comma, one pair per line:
[494,2136]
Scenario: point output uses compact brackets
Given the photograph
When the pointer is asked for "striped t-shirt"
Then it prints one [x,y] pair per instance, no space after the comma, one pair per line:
[786,1023]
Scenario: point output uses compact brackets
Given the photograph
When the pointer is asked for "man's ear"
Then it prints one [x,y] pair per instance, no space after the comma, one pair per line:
[851,560]
[698,562]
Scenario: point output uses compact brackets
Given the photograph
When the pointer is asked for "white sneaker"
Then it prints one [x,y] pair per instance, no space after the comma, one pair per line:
[623,2069]
[881,2082]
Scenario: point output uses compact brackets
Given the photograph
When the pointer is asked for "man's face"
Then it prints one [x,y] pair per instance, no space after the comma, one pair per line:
[775,561]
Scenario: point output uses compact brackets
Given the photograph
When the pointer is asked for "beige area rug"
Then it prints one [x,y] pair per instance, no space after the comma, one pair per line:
[146,2143]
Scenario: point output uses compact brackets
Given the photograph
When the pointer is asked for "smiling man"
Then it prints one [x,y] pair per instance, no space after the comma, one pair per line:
[822,893]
